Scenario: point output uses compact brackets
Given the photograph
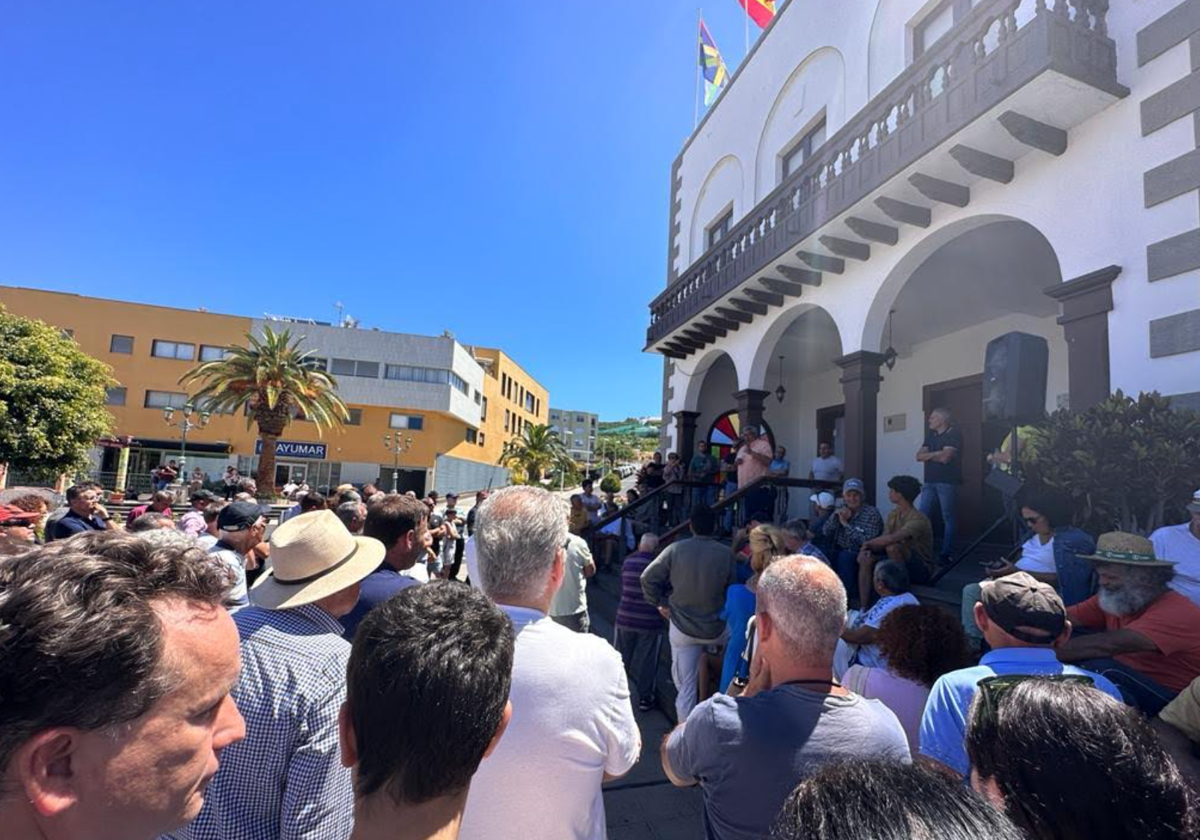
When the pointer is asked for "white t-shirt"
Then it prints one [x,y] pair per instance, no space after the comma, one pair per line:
[471,559]
[571,597]
[1036,557]
[869,655]
[1177,543]
[827,469]
[572,723]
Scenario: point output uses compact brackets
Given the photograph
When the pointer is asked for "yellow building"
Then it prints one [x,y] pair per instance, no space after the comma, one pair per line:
[457,404]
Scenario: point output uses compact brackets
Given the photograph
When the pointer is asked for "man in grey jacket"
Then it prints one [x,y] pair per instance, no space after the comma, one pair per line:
[696,571]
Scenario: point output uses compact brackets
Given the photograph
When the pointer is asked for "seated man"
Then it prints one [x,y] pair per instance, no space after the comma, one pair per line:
[907,539]
[1178,728]
[417,775]
[799,540]
[115,674]
[1023,621]
[1147,637]
[748,752]
[851,525]
[857,645]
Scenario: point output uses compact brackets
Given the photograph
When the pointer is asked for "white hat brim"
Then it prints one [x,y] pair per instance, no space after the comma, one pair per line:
[270,593]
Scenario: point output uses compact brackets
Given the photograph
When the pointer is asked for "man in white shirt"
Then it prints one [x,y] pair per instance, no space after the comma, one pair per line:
[1182,544]
[569,606]
[572,726]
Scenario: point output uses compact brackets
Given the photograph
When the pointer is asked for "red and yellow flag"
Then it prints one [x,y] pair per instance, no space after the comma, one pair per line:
[760,11]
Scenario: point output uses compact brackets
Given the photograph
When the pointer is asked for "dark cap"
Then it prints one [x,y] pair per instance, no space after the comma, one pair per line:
[1020,600]
[239,516]
[203,496]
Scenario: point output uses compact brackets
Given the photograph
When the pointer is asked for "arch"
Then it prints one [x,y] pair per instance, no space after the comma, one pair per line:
[723,188]
[825,67]
[704,362]
[818,334]
[964,233]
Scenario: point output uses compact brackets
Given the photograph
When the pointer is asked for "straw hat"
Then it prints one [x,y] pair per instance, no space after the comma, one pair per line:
[1126,549]
[314,556]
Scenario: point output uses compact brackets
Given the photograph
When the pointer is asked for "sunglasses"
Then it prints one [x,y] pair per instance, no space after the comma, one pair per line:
[16,523]
[1032,520]
[992,690]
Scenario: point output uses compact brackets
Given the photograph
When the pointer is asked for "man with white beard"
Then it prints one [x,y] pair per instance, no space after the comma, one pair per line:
[1146,636]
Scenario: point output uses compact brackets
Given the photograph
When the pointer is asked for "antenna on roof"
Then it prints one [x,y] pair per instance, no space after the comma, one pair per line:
[340,308]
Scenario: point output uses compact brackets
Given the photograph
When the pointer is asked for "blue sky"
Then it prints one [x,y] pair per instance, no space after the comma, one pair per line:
[496,168]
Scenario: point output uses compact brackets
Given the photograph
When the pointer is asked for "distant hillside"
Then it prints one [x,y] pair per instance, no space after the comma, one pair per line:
[631,426]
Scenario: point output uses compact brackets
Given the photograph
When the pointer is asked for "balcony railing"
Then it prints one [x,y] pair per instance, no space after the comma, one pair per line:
[998,48]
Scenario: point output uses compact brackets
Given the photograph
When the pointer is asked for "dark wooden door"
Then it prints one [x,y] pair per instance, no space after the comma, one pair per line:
[964,398]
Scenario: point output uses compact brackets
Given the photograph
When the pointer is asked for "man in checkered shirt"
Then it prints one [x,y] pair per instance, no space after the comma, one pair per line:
[286,781]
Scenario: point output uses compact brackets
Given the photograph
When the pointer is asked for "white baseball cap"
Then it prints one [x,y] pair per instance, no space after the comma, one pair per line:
[824,499]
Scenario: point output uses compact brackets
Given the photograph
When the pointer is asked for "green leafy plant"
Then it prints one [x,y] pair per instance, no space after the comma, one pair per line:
[279,382]
[1128,464]
[535,451]
[52,398]
[611,483]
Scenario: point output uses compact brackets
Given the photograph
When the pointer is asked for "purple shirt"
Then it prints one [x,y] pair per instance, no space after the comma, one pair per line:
[634,612]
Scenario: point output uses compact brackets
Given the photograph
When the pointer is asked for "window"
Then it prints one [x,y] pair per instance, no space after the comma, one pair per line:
[114,396]
[803,148]
[173,350]
[483,409]
[412,422]
[719,229]
[68,333]
[472,436]
[507,419]
[436,376]
[481,438]
[353,367]
[355,418]
[163,399]
[459,383]
[937,23]
[120,344]
[579,418]
[212,353]
[529,402]
[553,415]
[316,363]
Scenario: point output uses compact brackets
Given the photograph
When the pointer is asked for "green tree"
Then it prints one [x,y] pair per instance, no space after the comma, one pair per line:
[278,381]
[611,483]
[535,451]
[52,398]
[1127,463]
[616,449]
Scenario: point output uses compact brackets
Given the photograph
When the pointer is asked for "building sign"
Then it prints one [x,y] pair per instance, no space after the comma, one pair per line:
[295,449]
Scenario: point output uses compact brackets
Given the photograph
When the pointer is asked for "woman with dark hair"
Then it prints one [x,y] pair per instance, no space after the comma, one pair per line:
[1050,552]
[919,644]
[1066,761]
[885,800]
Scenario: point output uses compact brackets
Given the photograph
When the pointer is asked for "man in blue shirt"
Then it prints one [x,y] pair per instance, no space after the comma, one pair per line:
[401,524]
[84,513]
[1023,621]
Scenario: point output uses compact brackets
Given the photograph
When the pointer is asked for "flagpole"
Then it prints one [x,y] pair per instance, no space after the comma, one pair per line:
[746,25]
[698,48]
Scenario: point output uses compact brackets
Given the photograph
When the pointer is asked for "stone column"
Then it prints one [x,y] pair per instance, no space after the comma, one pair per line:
[1086,302]
[685,433]
[750,407]
[860,388]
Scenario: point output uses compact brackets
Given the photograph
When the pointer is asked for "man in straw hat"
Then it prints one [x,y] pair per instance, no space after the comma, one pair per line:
[286,779]
[1146,636]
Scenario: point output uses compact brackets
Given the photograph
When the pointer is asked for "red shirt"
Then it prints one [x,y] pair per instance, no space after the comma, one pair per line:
[1171,622]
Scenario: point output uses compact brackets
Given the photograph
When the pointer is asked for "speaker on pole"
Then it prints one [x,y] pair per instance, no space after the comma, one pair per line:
[1014,379]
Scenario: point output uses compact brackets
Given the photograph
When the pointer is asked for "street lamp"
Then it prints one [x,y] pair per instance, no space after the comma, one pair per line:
[186,424]
[400,444]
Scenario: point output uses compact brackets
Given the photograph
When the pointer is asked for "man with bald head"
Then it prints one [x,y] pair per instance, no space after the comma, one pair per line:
[750,750]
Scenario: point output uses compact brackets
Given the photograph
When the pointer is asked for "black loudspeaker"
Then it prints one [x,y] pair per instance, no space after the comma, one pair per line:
[1014,379]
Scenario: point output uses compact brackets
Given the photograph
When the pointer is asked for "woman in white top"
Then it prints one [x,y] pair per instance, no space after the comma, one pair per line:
[918,644]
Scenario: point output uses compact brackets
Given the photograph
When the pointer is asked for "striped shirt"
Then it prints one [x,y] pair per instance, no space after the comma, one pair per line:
[634,612]
[285,781]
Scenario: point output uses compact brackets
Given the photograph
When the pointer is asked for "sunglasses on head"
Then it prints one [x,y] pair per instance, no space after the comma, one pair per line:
[992,690]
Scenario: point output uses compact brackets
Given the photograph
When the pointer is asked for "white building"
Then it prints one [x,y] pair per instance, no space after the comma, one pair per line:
[975,167]
[577,430]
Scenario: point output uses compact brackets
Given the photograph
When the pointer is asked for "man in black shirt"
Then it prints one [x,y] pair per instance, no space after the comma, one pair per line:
[942,456]
[85,513]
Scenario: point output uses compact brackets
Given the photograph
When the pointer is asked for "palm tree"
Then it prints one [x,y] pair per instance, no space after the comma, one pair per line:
[277,381]
[537,449]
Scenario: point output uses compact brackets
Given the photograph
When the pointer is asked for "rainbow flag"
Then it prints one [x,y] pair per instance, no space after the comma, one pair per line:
[716,74]
[760,11]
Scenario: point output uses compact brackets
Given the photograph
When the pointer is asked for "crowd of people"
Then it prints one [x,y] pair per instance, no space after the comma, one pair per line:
[339,678]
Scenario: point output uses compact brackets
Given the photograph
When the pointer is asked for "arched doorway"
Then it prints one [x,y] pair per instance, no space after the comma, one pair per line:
[984,278]
[724,433]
